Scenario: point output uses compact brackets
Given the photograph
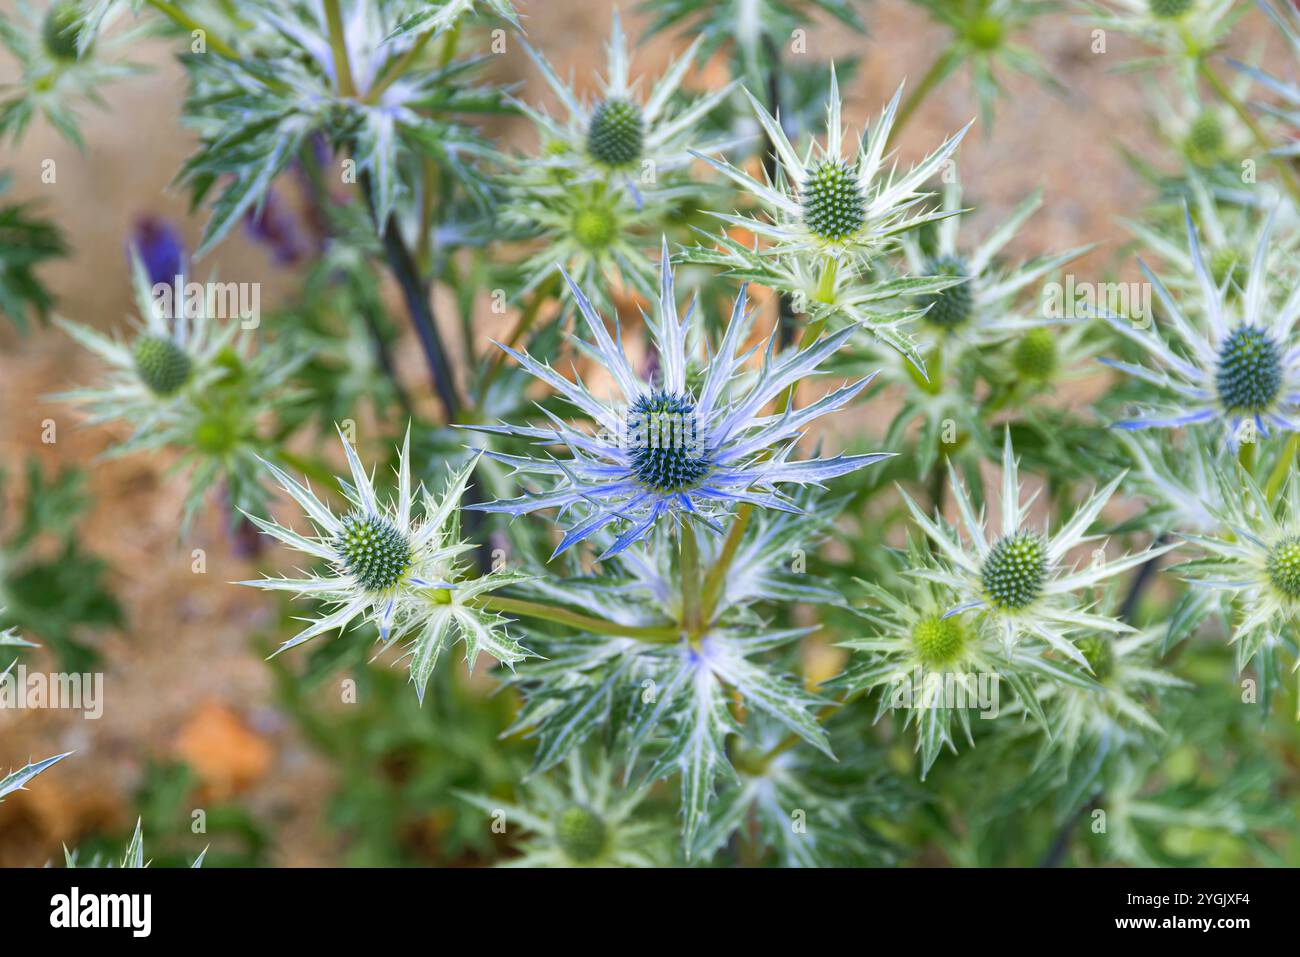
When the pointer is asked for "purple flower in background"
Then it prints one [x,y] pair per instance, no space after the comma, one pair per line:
[159,245]
[275,226]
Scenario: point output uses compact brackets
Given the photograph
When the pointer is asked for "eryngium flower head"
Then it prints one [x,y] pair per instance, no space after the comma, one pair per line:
[587,819]
[827,203]
[1241,372]
[1018,578]
[986,308]
[170,352]
[1111,709]
[620,135]
[946,661]
[1181,29]
[679,444]
[1254,558]
[399,570]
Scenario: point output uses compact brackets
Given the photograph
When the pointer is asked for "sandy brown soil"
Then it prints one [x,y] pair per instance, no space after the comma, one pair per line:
[183,665]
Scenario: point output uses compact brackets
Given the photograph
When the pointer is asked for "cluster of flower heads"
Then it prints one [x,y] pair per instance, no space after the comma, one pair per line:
[611,172]
[1021,579]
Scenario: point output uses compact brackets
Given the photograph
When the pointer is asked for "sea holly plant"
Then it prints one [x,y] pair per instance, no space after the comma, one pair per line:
[742,455]
[831,213]
[398,565]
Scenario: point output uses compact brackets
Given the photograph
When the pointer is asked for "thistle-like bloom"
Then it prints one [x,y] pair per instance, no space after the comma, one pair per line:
[64,63]
[939,668]
[596,233]
[618,137]
[589,821]
[1019,578]
[170,353]
[1182,29]
[1255,559]
[398,570]
[1110,710]
[982,31]
[1229,221]
[669,445]
[981,309]
[828,204]
[1243,372]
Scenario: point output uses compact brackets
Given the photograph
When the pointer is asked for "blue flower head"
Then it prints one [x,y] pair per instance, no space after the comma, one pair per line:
[689,440]
[1230,361]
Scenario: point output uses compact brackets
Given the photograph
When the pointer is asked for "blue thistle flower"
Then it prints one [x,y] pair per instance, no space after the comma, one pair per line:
[1243,369]
[678,444]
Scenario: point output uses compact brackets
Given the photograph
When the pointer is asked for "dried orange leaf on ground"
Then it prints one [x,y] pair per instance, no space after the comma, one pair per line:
[225,753]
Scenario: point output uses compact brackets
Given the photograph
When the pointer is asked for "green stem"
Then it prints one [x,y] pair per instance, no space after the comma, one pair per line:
[184,20]
[714,580]
[399,66]
[1285,463]
[689,568]
[525,323]
[1281,163]
[826,282]
[563,616]
[933,76]
[1246,456]
[339,49]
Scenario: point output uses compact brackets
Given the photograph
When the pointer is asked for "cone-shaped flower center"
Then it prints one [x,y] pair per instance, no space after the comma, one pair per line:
[1204,140]
[581,834]
[1249,376]
[1168,9]
[1099,652]
[1014,571]
[833,207]
[663,438]
[1035,354]
[951,307]
[374,552]
[162,365]
[60,31]
[937,640]
[1284,567]
[617,133]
